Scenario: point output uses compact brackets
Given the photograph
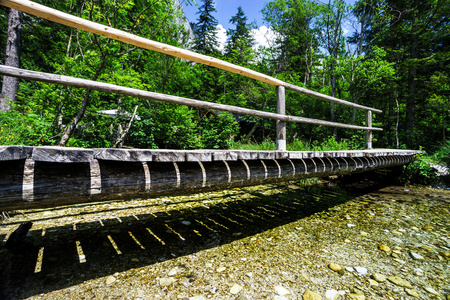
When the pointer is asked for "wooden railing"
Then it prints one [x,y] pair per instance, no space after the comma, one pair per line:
[119,35]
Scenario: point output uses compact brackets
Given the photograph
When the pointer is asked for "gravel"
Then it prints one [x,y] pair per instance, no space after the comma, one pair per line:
[262,242]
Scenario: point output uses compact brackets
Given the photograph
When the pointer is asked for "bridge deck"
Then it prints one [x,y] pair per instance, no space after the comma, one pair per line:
[54,176]
[74,155]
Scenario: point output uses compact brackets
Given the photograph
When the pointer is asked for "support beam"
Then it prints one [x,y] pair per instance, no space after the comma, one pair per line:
[369,132]
[281,126]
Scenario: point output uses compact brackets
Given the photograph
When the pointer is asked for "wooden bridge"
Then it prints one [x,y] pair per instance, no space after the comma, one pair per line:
[51,176]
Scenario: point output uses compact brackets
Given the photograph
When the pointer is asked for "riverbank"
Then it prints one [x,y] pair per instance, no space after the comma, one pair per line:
[264,242]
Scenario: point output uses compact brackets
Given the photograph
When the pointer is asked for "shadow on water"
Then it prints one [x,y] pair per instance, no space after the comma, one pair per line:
[69,255]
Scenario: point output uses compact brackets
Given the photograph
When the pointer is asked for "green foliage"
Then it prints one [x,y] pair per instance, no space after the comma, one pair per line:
[443,153]
[329,144]
[18,129]
[218,131]
[419,172]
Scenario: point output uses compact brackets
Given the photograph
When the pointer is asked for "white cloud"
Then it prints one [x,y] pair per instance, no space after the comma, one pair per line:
[221,37]
[264,37]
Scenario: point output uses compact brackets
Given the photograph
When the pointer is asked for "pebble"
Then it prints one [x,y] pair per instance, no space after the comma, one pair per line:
[173,272]
[197,297]
[221,269]
[373,283]
[110,279]
[363,233]
[361,270]
[350,269]
[350,225]
[430,290]
[335,267]
[416,255]
[282,291]
[304,278]
[166,281]
[379,277]
[309,295]
[332,295]
[384,248]
[412,292]
[186,223]
[356,297]
[418,271]
[400,282]
[235,289]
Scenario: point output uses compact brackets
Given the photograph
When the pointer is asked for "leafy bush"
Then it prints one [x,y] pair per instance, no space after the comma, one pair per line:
[443,153]
[218,131]
[24,129]
[419,172]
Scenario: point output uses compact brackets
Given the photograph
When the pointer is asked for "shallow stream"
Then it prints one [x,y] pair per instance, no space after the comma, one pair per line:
[262,242]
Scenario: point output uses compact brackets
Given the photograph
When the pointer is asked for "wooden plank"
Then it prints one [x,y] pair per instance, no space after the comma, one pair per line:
[62,154]
[123,154]
[15,152]
[112,88]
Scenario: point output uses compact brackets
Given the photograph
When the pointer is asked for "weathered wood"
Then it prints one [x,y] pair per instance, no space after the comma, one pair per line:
[111,88]
[281,126]
[304,91]
[369,132]
[15,152]
[30,184]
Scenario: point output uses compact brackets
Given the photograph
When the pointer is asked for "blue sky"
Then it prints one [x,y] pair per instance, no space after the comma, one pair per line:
[228,8]
[252,8]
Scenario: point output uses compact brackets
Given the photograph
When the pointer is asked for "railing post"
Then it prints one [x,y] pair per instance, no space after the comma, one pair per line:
[369,132]
[281,126]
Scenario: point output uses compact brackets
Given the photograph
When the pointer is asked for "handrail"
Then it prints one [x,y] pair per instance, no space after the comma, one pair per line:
[122,36]
[112,88]
[126,37]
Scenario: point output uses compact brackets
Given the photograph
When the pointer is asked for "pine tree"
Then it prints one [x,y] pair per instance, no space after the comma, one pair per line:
[205,29]
[240,39]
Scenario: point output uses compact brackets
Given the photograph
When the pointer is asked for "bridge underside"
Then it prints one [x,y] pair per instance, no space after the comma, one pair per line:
[37,177]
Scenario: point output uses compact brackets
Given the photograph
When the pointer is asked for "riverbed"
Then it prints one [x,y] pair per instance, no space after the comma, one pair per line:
[296,240]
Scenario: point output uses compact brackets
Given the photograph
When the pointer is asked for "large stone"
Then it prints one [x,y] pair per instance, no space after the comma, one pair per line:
[332,295]
[235,289]
[166,281]
[335,267]
[282,291]
[384,248]
[309,295]
[400,282]
[412,292]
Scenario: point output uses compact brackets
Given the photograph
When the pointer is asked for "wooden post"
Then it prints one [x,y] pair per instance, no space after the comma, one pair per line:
[281,126]
[369,132]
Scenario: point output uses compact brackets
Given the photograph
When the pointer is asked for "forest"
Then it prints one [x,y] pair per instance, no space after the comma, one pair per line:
[397,60]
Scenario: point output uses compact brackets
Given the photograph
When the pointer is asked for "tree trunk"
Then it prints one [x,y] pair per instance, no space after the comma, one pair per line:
[13,44]
[411,102]
[73,125]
